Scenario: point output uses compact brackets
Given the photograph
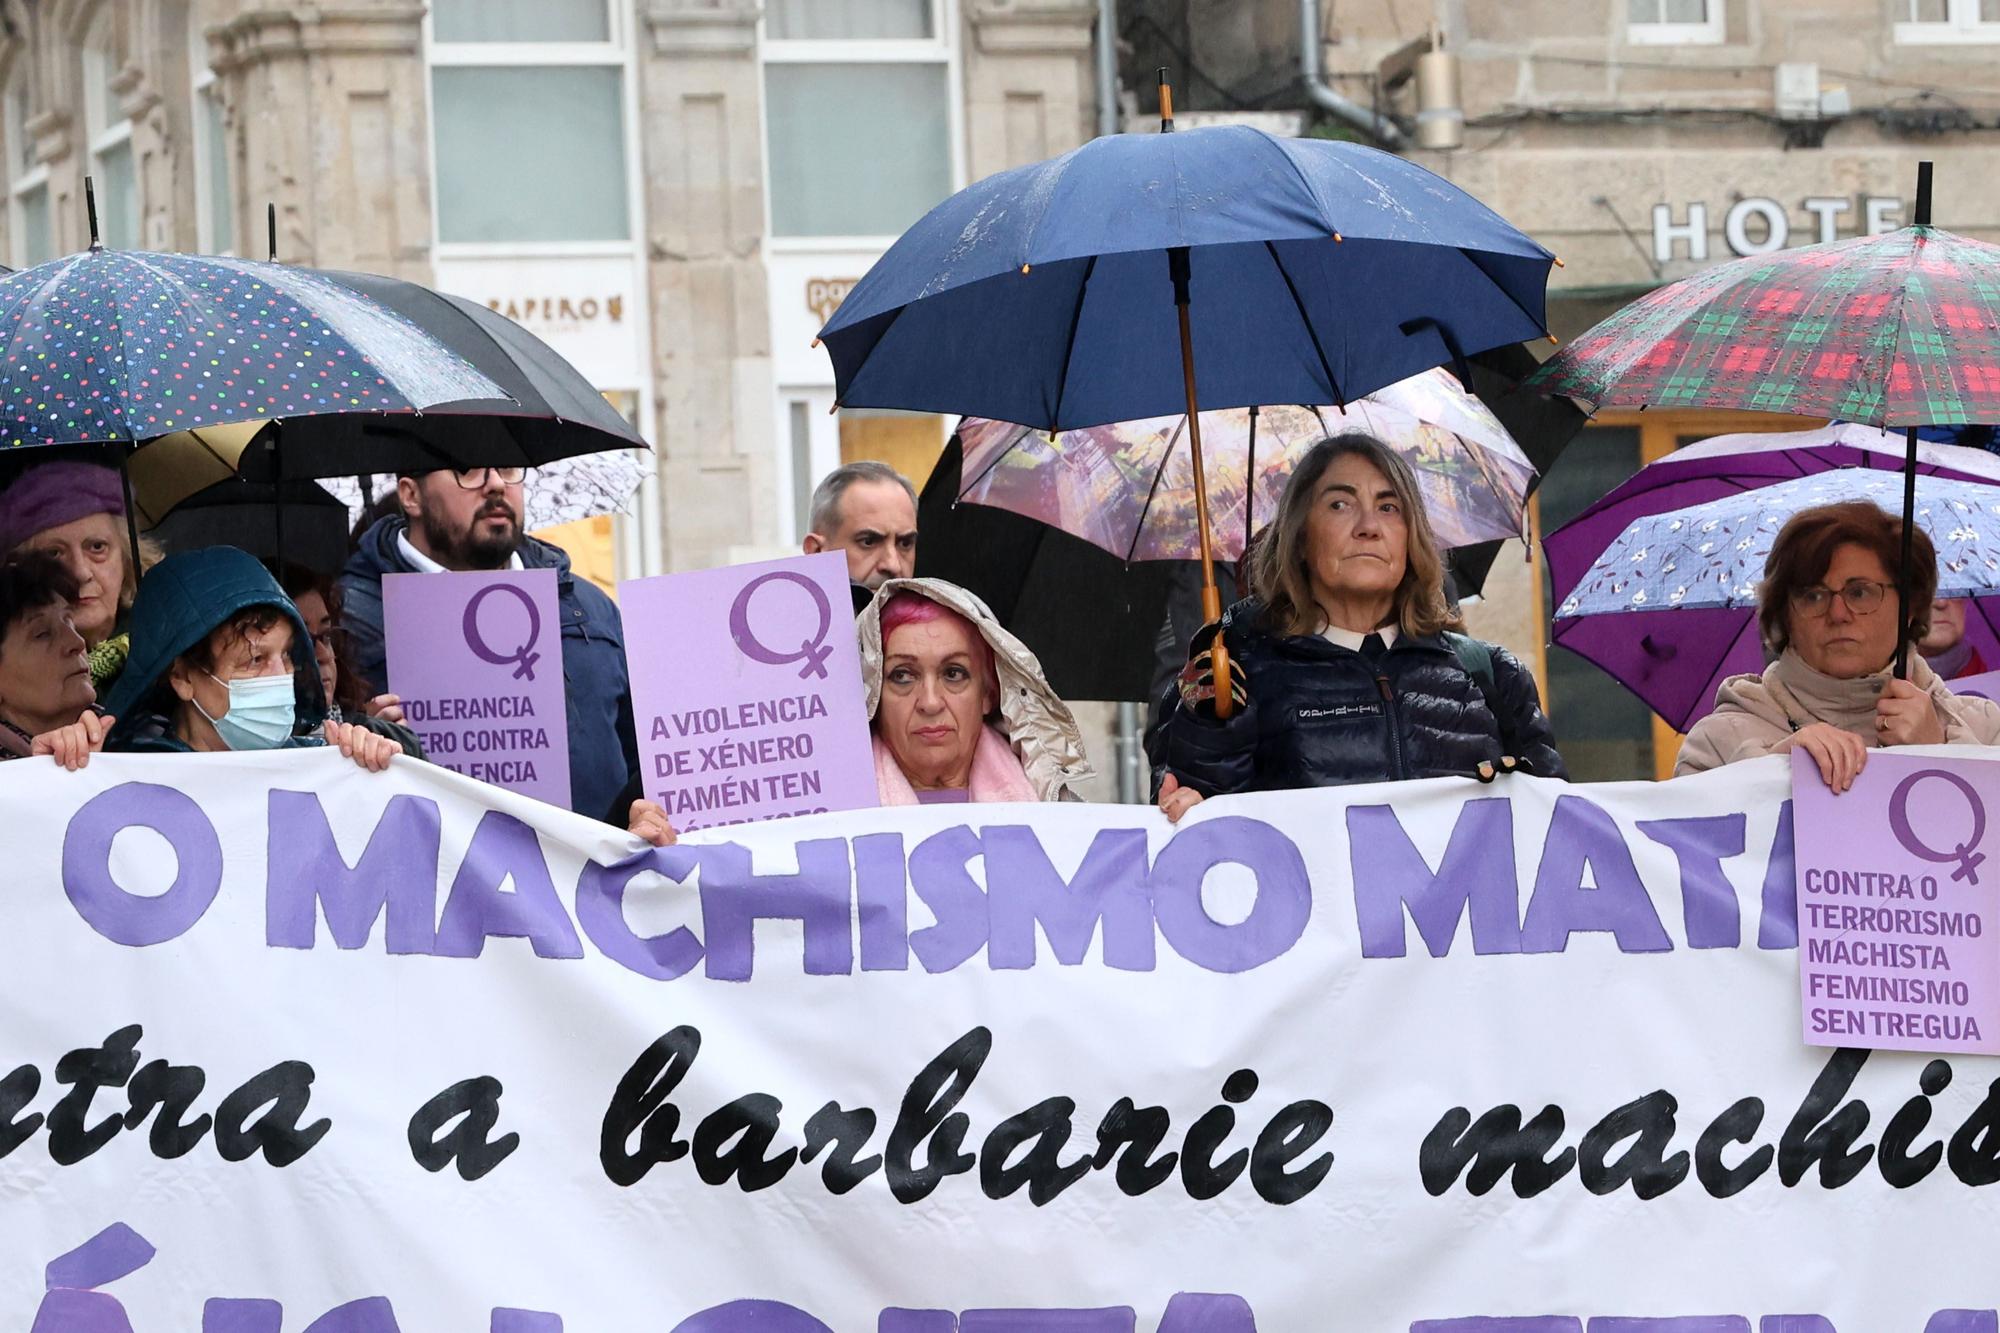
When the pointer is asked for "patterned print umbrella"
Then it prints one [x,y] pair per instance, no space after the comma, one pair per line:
[1670,608]
[565,491]
[1129,489]
[112,345]
[1894,330]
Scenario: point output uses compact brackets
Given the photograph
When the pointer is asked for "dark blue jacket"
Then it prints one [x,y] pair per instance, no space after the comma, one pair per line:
[1321,716]
[603,754]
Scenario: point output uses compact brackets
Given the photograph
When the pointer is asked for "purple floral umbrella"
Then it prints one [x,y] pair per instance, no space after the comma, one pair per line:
[1669,609]
[1128,487]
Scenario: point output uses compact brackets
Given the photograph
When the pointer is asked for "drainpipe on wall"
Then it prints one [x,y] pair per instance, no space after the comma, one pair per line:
[1108,110]
[1325,98]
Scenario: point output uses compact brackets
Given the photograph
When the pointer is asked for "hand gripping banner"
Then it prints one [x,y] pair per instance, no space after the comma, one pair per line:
[288,1046]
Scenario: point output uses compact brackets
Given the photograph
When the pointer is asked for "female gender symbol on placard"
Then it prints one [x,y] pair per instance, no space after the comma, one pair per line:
[812,650]
[522,659]
[1899,824]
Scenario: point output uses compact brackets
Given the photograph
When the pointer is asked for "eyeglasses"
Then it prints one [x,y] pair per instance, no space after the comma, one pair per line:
[475,478]
[1863,597]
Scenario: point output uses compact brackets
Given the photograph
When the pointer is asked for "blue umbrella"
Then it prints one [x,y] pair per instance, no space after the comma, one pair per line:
[112,346]
[1301,270]
[1670,608]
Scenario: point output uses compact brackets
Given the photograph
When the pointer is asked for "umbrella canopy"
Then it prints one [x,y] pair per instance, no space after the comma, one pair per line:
[1670,608]
[1128,488]
[298,521]
[568,490]
[1090,617]
[1318,271]
[1732,464]
[1894,330]
[115,346]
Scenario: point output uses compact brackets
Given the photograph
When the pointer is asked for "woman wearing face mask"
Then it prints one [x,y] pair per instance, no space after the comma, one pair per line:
[44,674]
[221,661]
[961,709]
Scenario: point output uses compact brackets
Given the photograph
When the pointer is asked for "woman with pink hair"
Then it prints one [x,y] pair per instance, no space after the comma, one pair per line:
[961,710]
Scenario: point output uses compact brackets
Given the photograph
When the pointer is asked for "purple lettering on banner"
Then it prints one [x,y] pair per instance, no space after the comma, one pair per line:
[477,660]
[1686,1323]
[1110,886]
[940,880]
[916,1321]
[1476,877]
[882,900]
[1896,908]
[1278,917]
[1708,899]
[305,873]
[734,898]
[1795,1323]
[134,919]
[600,910]
[370,1314]
[746,688]
[1207,1312]
[1778,917]
[751,1317]
[503,847]
[1583,837]
[230,1314]
[68,1311]
[1485,1323]
[507,1320]
[1964,1321]
[115,1252]
[1117,1319]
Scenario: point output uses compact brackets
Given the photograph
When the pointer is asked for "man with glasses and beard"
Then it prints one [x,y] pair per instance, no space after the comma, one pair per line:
[470,519]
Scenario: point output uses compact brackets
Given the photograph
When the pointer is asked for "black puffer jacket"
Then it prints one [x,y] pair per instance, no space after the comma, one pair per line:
[1320,716]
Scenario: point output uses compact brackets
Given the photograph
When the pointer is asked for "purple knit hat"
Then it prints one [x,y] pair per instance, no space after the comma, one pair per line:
[53,494]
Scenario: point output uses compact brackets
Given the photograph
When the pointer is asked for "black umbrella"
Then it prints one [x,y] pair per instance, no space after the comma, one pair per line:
[298,521]
[552,411]
[1090,617]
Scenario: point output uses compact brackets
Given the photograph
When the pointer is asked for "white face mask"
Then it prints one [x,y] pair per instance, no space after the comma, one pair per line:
[262,711]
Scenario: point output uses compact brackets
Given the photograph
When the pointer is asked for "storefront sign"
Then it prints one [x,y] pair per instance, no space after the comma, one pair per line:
[477,661]
[1757,225]
[1899,924]
[746,688]
[588,307]
[806,288]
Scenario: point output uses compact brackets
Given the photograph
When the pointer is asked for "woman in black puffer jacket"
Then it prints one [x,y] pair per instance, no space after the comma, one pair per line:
[1347,665]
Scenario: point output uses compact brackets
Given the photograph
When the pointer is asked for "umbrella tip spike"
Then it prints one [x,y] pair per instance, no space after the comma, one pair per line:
[1338,238]
[1554,341]
[1558,261]
[835,408]
[815,342]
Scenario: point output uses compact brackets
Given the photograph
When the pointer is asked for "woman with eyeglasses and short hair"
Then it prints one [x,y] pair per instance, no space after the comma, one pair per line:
[1828,608]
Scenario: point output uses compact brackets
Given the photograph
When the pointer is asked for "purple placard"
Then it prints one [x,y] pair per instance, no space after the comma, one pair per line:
[1897,905]
[477,660]
[746,691]
[1986,685]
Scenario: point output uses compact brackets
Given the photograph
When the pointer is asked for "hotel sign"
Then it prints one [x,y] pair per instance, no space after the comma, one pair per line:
[1757,225]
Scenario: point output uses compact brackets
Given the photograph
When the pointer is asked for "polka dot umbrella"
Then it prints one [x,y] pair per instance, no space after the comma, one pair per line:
[113,346]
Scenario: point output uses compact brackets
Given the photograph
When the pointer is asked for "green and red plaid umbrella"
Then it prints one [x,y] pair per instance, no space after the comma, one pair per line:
[1894,330]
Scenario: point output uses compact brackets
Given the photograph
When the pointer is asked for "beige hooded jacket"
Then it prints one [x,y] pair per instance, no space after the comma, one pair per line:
[1035,722]
[1758,715]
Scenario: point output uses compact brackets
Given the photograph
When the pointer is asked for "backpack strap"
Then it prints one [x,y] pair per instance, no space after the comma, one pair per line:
[1475,658]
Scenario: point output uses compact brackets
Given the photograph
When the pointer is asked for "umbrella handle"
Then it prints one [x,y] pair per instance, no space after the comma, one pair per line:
[1211,597]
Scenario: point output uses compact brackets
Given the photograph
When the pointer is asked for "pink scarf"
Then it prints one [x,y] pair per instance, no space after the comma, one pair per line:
[997,774]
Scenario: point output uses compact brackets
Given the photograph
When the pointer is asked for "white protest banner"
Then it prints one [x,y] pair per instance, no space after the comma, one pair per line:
[305,1048]
[746,691]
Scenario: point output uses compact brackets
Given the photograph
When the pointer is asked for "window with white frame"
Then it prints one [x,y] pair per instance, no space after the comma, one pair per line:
[113,169]
[1937,22]
[214,196]
[528,108]
[31,239]
[859,114]
[1673,22]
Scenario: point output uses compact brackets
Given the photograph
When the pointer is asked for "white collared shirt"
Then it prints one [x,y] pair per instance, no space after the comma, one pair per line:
[1348,639]
[423,564]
